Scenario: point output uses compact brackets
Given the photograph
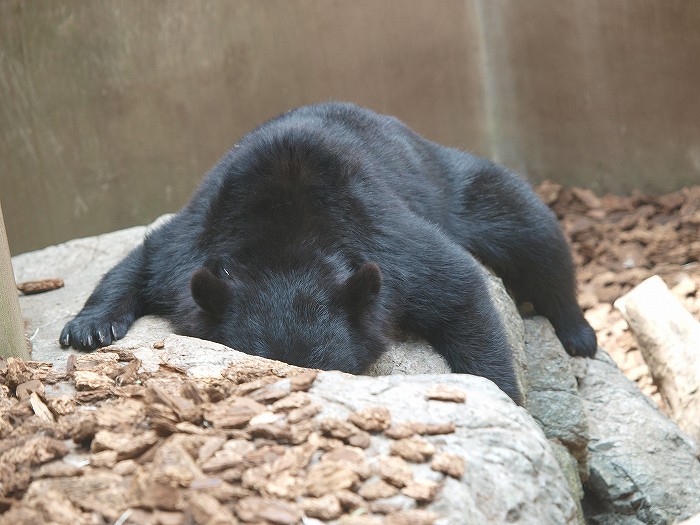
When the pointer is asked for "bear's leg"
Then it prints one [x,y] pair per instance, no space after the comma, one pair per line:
[111,308]
[447,302]
[506,226]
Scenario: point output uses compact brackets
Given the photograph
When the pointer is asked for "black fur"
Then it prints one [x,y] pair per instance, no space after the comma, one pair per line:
[328,228]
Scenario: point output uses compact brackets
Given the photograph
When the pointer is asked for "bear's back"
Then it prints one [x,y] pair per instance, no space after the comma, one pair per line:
[321,176]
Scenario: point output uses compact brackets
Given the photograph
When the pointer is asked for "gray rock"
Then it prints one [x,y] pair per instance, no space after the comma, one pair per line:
[554,403]
[641,465]
[80,263]
[418,357]
[511,474]
[513,324]
[612,519]
[570,468]
[553,399]
[412,356]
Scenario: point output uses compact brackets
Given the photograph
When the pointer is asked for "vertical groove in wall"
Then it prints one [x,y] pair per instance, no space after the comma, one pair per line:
[487,78]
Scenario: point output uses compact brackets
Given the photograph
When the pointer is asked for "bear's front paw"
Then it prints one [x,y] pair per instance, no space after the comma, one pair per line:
[89,331]
[579,339]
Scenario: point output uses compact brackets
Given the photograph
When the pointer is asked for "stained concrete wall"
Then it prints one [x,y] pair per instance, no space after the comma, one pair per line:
[111,111]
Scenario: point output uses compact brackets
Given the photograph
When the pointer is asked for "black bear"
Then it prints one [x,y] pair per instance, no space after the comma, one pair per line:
[328,229]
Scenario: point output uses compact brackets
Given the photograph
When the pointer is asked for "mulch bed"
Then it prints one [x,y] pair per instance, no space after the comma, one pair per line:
[105,443]
[618,241]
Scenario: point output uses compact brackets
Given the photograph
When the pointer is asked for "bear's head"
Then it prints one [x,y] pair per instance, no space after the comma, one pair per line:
[306,317]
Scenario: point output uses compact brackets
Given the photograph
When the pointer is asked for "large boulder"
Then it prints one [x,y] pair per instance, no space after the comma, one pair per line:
[417,357]
[554,403]
[642,466]
[637,466]
[511,474]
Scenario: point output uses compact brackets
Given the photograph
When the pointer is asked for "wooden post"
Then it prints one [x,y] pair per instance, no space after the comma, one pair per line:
[12,340]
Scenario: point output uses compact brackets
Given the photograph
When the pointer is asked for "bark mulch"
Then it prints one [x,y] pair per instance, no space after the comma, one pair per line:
[617,242]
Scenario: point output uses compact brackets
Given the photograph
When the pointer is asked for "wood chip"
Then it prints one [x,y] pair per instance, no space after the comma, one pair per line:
[231,455]
[401,430]
[19,371]
[394,471]
[127,445]
[327,478]
[293,401]
[324,508]
[125,468]
[61,405]
[24,390]
[304,412]
[88,380]
[202,449]
[304,380]
[338,428]
[145,492]
[272,392]
[349,500]
[88,397]
[104,459]
[437,428]
[56,469]
[106,363]
[422,491]
[349,457]
[360,439]
[128,374]
[102,492]
[414,449]
[450,464]
[372,419]
[446,393]
[34,451]
[256,509]
[206,509]
[234,414]
[40,409]
[377,489]
[40,286]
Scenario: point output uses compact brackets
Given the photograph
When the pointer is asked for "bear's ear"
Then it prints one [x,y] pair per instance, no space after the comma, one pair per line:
[362,287]
[209,291]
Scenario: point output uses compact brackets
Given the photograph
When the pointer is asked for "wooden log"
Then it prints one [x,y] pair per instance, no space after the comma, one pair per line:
[669,339]
[12,340]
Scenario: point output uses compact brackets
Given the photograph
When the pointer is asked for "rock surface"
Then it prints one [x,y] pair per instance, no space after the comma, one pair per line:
[501,445]
[641,465]
[643,468]
[554,403]
[267,442]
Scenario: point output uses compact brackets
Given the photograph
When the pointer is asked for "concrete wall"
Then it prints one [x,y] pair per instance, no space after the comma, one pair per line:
[111,111]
